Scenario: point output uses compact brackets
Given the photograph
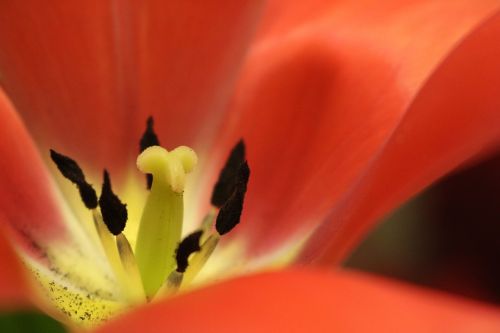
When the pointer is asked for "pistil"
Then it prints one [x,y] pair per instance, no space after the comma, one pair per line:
[161,222]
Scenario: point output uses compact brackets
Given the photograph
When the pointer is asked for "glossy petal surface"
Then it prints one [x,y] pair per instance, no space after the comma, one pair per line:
[454,119]
[302,301]
[315,104]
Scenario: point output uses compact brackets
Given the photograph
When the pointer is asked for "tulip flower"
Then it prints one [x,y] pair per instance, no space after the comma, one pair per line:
[347,109]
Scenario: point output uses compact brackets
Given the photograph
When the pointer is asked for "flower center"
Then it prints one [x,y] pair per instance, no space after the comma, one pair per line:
[161,262]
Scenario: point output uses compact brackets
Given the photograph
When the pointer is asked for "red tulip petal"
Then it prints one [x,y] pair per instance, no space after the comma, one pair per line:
[454,119]
[280,17]
[316,105]
[28,213]
[302,301]
[27,201]
[84,77]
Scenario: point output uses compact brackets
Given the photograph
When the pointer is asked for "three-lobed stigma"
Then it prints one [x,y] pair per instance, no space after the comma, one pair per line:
[162,262]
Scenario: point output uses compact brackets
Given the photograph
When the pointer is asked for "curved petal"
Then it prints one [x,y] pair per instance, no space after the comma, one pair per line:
[302,301]
[454,119]
[317,104]
[27,200]
[85,77]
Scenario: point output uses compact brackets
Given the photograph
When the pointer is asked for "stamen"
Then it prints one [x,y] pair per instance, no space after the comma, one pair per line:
[149,139]
[121,258]
[114,212]
[224,187]
[200,258]
[188,246]
[161,222]
[229,214]
[115,217]
[108,244]
[70,170]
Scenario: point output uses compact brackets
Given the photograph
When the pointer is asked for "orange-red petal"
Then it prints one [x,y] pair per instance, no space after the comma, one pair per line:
[316,103]
[305,301]
[85,76]
[454,119]
[28,204]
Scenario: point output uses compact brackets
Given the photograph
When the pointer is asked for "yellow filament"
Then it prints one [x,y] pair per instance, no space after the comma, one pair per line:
[130,267]
[206,225]
[134,295]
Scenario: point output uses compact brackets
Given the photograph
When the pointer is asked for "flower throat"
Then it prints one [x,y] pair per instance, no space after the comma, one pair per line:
[162,262]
